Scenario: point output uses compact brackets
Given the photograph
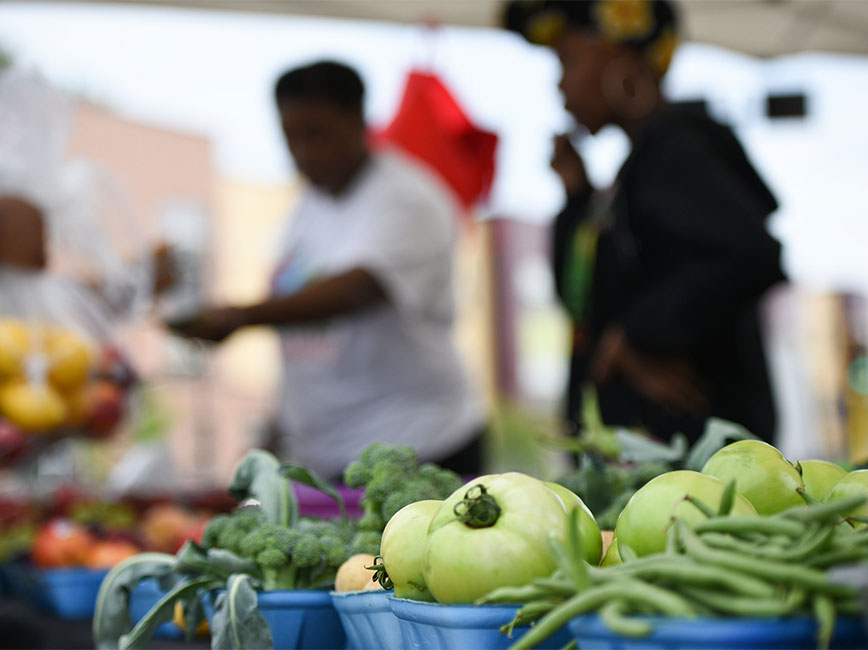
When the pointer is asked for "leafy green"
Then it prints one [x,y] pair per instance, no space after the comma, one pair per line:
[237,622]
[258,477]
[111,617]
[164,611]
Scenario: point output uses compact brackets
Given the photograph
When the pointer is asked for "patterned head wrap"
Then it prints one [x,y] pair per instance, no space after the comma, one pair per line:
[648,26]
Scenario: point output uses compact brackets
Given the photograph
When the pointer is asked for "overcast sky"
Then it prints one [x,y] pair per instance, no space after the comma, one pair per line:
[211,73]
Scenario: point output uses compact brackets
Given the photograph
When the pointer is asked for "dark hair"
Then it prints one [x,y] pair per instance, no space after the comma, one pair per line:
[327,81]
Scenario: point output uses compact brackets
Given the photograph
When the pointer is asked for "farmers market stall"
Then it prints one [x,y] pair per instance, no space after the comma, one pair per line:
[727,546]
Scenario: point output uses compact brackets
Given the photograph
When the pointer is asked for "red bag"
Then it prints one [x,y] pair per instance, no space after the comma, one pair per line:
[432,127]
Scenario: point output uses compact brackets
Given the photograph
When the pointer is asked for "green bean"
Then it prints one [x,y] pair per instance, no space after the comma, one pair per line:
[632,590]
[739,525]
[769,569]
[526,615]
[672,541]
[510,594]
[689,572]
[839,556]
[813,542]
[727,501]
[738,605]
[613,615]
[824,612]
[825,512]
[555,587]
[700,505]
[627,553]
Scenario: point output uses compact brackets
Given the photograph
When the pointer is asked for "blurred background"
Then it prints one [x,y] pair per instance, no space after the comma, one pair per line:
[165,110]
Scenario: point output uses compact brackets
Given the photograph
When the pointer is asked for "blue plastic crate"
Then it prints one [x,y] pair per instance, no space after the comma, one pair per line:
[432,626]
[368,619]
[142,599]
[68,593]
[794,633]
[302,619]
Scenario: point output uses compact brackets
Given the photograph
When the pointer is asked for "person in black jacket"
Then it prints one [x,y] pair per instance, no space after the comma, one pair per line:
[661,274]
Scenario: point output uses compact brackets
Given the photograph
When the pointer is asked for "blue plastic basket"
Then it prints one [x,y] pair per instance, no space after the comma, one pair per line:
[303,619]
[368,619]
[68,593]
[142,599]
[794,633]
[432,626]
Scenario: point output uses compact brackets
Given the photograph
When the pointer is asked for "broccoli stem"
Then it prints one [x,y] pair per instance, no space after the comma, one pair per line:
[478,509]
[283,577]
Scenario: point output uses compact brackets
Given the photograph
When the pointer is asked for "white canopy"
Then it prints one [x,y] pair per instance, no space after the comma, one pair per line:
[762,28]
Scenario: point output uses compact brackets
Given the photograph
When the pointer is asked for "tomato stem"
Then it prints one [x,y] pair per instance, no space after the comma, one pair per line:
[478,509]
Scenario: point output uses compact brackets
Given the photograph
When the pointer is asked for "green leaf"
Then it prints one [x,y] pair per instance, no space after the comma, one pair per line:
[717,433]
[237,622]
[193,560]
[303,475]
[230,563]
[639,448]
[163,612]
[111,617]
[194,614]
[258,477]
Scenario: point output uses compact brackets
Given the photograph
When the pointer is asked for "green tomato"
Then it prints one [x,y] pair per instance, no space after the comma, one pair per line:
[612,556]
[496,538]
[645,519]
[589,532]
[762,474]
[820,477]
[850,485]
[402,548]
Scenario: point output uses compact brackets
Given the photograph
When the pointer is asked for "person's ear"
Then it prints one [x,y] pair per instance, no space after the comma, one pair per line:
[629,87]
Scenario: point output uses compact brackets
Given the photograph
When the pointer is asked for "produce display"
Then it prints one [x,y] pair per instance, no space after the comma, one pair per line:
[262,545]
[612,464]
[55,380]
[752,539]
[725,566]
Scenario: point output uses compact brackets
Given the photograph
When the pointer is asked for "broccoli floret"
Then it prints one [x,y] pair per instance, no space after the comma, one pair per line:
[371,521]
[410,493]
[307,552]
[392,479]
[213,529]
[296,558]
[227,531]
[335,550]
[357,474]
[365,541]
[445,481]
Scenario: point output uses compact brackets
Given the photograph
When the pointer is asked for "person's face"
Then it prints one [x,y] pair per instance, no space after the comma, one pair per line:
[22,234]
[584,58]
[324,140]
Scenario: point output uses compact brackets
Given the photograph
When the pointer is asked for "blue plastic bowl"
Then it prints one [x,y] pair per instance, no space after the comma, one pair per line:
[368,619]
[432,626]
[302,619]
[142,599]
[719,634]
[68,593]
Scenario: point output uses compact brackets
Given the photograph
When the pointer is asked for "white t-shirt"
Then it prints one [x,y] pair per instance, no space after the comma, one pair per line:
[389,373]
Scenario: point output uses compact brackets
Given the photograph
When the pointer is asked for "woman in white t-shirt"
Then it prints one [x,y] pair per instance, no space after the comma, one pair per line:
[362,294]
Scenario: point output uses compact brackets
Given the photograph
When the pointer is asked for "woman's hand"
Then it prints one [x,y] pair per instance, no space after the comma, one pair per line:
[568,164]
[669,382]
[214,324]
